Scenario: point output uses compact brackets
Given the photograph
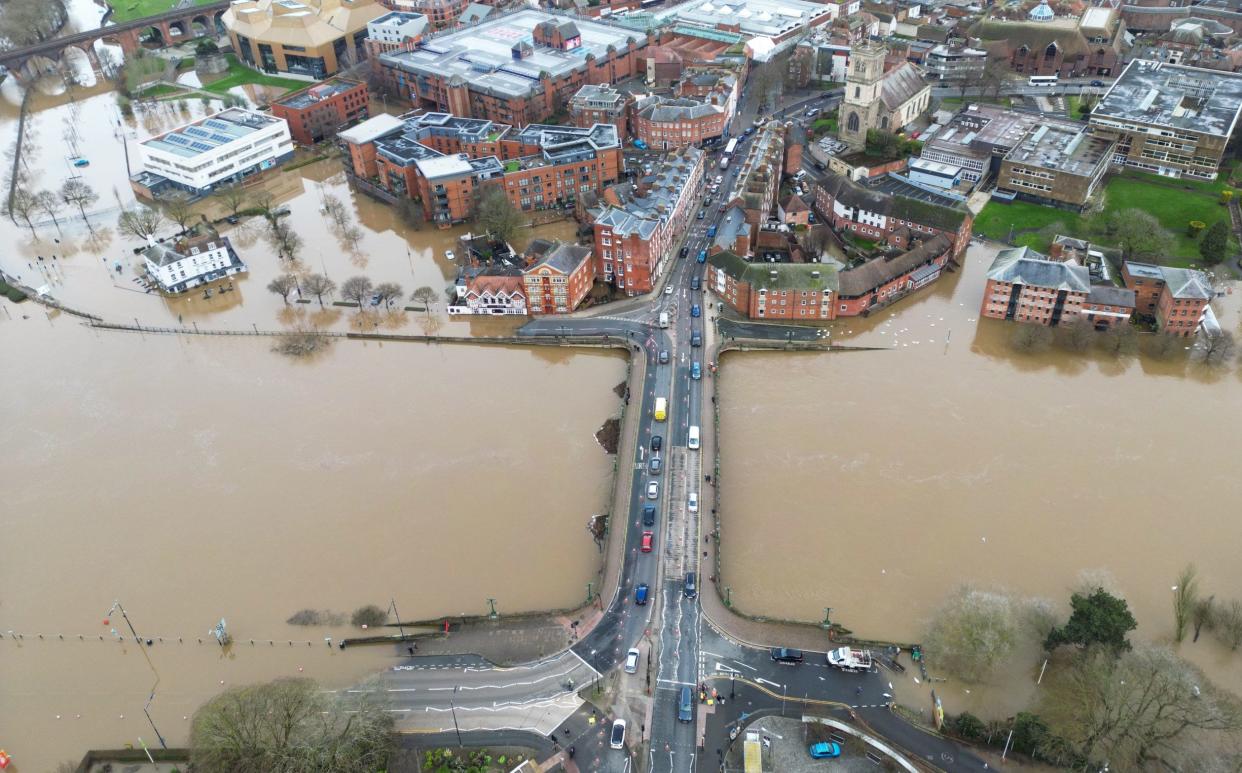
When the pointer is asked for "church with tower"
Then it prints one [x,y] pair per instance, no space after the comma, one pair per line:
[875,99]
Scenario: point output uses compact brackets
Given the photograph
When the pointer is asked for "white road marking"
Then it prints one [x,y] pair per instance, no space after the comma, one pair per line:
[761,680]
[674,681]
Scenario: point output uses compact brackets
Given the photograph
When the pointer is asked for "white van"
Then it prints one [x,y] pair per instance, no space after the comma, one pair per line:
[694,437]
[664,319]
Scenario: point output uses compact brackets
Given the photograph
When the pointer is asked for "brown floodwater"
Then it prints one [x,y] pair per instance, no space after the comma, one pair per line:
[194,478]
[876,482]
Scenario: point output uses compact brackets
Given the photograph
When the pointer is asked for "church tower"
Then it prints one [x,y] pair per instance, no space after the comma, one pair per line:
[861,106]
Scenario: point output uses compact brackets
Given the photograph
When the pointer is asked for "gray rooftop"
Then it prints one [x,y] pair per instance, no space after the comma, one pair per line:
[1174,96]
[1064,147]
[666,109]
[771,18]
[640,214]
[1187,283]
[482,55]
[564,258]
[1024,266]
[1111,296]
[211,132]
[980,129]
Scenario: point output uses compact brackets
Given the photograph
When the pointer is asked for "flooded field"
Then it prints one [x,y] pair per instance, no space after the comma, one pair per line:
[875,482]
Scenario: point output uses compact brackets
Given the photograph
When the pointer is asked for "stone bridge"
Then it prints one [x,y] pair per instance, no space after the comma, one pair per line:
[163,28]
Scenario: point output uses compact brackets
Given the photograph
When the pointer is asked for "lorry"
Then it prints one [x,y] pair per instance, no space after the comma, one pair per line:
[661,409]
[850,659]
[664,319]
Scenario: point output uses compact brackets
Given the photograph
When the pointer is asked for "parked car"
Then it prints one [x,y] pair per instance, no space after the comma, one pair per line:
[653,490]
[825,750]
[786,656]
[657,442]
[653,465]
[617,741]
[631,661]
[641,593]
[648,541]
[692,502]
[649,514]
[668,290]
[1097,84]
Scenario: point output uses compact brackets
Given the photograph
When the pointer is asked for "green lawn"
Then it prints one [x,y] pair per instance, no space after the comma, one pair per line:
[1173,202]
[239,74]
[162,90]
[125,10]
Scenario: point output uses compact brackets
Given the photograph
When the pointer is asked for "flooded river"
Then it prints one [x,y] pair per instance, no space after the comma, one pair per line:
[875,482]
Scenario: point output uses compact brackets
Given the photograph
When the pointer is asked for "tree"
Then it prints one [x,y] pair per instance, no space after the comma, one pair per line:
[231,197]
[356,289]
[352,234]
[1185,596]
[496,214]
[265,202]
[206,46]
[140,222]
[1121,341]
[1098,618]
[319,285]
[369,616]
[1136,711]
[1203,615]
[284,239]
[972,632]
[388,292]
[1228,624]
[1216,348]
[22,203]
[26,22]
[76,193]
[1165,345]
[51,204]
[283,285]
[334,208]
[291,725]
[410,212]
[180,208]
[424,295]
[1138,233]
[1077,336]
[1030,338]
[1215,242]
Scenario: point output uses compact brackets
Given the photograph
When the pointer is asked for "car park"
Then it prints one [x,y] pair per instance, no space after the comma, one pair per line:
[653,490]
[692,502]
[641,593]
[653,465]
[649,515]
[617,740]
[631,661]
[786,656]
[648,541]
[825,750]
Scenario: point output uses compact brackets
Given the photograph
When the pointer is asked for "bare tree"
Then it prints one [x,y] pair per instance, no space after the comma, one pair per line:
[283,285]
[51,204]
[76,193]
[286,241]
[265,202]
[1185,596]
[352,234]
[319,285]
[25,22]
[23,204]
[1030,337]
[1217,348]
[335,209]
[1078,335]
[816,241]
[231,197]
[140,222]
[1164,345]
[1203,615]
[496,214]
[1121,341]
[388,292]
[424,295]
[180,208]
[356,289]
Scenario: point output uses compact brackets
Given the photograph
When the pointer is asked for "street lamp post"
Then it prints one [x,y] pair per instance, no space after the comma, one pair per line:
[453,708]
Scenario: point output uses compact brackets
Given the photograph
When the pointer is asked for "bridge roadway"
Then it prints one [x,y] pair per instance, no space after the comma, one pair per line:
[437,695]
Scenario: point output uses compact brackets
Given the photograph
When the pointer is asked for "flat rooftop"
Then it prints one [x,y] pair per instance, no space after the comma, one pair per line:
[1174,96]
[770,18]
[482,55]
[299,100]
[1063,148]
[212,132]
[895,186]
[981,128]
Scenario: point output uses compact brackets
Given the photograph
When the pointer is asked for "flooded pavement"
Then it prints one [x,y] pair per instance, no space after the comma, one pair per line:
[875,482]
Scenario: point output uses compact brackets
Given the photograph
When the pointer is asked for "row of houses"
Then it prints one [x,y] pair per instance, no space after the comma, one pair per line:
[550,278]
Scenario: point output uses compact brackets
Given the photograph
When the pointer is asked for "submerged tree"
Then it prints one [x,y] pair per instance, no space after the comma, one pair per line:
[426,296]
[283,285]
[140,222]
[1096,618]
[972,632]
[496,214]
[319,285]
[77,193]
[356,289]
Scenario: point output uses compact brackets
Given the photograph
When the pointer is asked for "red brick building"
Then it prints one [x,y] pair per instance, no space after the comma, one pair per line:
[785,291]
[890,217]
[318,112]
[600,104]
[1177,297]
[1026,286]
[558,278]
[441,13]
[884,280]
[1093,44]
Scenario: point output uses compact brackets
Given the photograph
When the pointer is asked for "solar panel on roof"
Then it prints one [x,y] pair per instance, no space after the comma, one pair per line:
[221,138]
[215,123]
[197,131]
[200,146]
[177,139]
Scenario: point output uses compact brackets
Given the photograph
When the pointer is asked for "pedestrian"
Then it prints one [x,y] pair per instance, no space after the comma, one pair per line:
[858,690]
[410,650]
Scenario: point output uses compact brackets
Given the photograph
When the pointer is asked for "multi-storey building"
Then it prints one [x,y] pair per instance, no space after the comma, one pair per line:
[221,149]
[559,277]
[977,138]
[441,159]
[956,63]
[885,280]
[515,68]
[490,291]
[320,111]
[788,291]
[781,22]
[396,31]
[879,100]
[1170,119]
[1026,286]
[312,38]
[441,13]
[1177,297]
[758,182]
[1058,163]
[1093,44]
[641,224]
[896,216]
[191,262]
[600,104]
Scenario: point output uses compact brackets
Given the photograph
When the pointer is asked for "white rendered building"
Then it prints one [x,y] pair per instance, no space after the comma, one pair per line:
[220,149]
[192,263]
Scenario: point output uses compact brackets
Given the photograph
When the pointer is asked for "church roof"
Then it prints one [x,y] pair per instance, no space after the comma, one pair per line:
[900,85]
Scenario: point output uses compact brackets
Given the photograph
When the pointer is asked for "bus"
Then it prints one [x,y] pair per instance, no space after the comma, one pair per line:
[732,146]
[1043,80]
[661,409]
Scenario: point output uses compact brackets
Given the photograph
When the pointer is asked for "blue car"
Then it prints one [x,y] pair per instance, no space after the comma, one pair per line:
[825,750]
[711,231]
[640,144]
[696,372]
[702,256]
[695,311]
[640,594]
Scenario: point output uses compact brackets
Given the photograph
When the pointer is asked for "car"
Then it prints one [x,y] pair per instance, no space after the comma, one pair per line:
[694,283]
[702,258]
[663,356]
[375,300]
[685,705]
[653,465]
[648,540]
[631,661]
[641,593]
[649,514]
[700,215]
[449,254]
[657,442]
[696,339]
[683,252]
[711,230]
[695,311]
[786,656]
[690,587]
[692,502]
[653,490]
[1097,84]
[719,179]
[696,371]
[617,740]
[825,750]
[232,219]
[668,290]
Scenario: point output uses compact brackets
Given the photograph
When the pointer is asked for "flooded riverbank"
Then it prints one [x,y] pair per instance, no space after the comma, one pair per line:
[874,483]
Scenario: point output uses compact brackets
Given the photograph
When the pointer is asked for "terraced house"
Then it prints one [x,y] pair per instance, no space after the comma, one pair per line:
[895,215]
[787,291]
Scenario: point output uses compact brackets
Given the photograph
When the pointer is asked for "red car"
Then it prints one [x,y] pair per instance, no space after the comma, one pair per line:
[648,537]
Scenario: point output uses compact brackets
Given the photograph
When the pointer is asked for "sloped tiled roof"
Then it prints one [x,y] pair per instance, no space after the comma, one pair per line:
[851,194]
[1187,283]
[859,281]
[1024,266]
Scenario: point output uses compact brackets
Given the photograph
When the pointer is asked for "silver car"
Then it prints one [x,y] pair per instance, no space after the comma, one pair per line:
[631,662]
[653,490]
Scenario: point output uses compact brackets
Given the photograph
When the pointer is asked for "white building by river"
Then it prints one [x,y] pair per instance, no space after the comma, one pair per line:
[192,263]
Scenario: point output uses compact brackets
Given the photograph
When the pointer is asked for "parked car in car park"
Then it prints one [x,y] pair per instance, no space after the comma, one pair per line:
[617,740]
[631,661]
[825,750]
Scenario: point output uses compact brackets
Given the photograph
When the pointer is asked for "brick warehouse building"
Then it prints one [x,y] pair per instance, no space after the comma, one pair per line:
[559,277]
[516,68]
[320,111]
[1026,286]
[441,159]
[891,217]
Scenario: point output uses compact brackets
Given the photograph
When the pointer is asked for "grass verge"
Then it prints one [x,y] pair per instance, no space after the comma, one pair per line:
[239,75]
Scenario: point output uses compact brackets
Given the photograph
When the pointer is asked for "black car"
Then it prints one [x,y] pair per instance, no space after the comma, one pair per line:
[786,656]
[649,514]
[689,587]
[694,283]
[1097,84]
[696,339]
[657,442]
[684,252]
